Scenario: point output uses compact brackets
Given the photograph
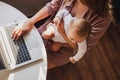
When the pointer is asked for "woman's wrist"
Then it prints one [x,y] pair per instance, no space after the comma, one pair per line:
[31,21]
[28,25]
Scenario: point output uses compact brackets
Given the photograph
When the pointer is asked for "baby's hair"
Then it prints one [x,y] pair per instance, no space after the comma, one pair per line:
[81,26]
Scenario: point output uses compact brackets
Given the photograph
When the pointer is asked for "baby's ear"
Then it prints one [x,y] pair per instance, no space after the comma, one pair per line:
[72,21]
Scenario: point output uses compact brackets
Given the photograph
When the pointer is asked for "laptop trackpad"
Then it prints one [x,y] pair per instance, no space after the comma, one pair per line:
[31,42]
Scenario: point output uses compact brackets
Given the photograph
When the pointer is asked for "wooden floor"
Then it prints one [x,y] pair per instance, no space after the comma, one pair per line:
[101,63]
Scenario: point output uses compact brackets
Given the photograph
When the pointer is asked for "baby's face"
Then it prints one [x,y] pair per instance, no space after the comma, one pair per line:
[74,37]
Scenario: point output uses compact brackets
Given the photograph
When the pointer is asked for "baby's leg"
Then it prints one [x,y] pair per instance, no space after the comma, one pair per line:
[55,46]
[49,32]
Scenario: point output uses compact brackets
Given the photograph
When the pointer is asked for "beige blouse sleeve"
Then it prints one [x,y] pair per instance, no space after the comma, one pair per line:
[99,26]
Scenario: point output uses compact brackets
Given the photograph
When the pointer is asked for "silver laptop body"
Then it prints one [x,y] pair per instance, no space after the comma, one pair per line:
[27,49]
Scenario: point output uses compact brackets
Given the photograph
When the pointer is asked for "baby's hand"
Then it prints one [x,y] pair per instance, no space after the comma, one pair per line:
[56,20]
[72,60]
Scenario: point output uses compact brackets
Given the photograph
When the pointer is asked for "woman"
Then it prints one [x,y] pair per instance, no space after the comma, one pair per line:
[98,15]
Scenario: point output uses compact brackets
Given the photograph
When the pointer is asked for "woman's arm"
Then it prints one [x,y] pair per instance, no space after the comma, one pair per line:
[59,16]
[29,24]
[47,10]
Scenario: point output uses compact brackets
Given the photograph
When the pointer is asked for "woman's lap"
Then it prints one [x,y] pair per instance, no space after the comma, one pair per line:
[58,58]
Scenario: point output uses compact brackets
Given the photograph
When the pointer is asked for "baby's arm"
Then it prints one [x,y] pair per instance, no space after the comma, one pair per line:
[59,16]
[56,20]
[82,48]
[63,34]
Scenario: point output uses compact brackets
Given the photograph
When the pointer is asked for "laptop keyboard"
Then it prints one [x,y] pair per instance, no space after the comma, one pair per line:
[22,51]
[23,54]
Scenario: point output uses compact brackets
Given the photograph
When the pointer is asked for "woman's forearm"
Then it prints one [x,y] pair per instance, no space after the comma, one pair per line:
[73,45]
[61,30]
[49,9]
[41,14]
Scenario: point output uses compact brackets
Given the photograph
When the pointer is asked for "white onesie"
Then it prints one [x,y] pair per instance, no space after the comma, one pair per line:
[67,18]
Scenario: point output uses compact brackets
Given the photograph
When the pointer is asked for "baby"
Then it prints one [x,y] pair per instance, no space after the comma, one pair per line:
[76,31]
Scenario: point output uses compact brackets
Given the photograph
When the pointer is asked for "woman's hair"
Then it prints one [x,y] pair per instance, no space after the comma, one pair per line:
[100,7]
[66,1]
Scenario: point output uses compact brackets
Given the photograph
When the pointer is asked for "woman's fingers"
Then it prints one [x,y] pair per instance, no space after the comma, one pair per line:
[19,31]
[19,34]
[16,33]
[60,26]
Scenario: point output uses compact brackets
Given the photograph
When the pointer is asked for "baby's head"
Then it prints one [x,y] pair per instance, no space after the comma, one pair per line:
[78,30]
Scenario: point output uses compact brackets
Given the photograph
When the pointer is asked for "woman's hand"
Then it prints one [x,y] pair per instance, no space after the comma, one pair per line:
[19,31]
[61,30]
[60,27]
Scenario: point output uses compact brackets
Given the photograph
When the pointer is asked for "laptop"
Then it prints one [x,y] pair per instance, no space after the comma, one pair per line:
[27,49]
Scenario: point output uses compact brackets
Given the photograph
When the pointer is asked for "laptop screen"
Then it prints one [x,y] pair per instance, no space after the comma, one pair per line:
[2,66]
